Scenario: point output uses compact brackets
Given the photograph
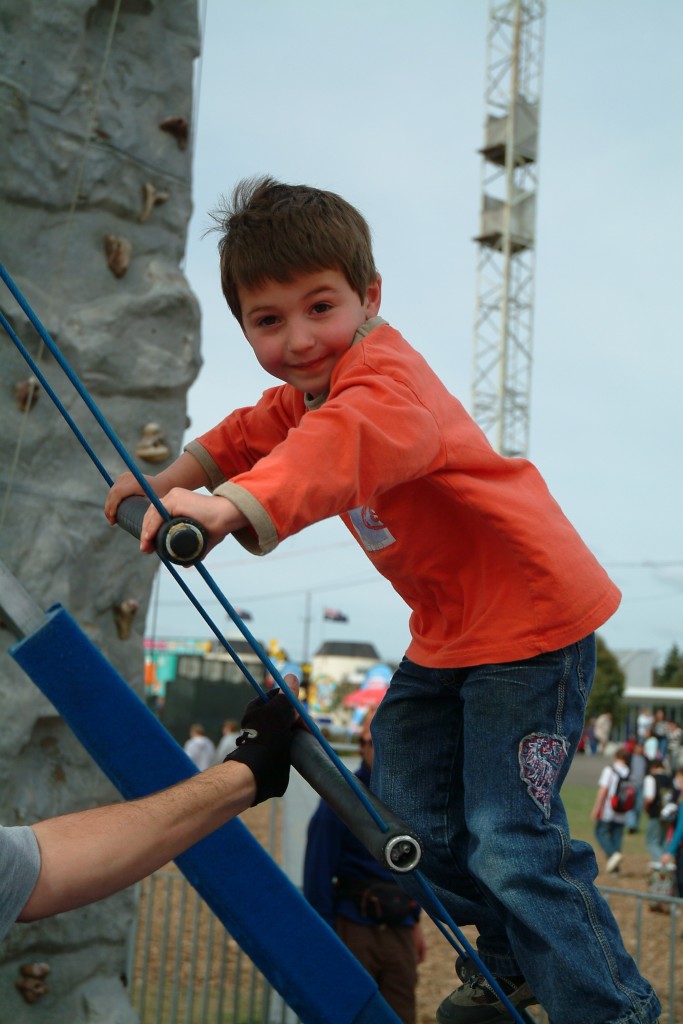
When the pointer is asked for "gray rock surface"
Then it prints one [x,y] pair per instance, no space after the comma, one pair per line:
[84,158]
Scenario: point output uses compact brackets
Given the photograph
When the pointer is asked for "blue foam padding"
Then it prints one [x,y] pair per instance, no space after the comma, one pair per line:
[297,952]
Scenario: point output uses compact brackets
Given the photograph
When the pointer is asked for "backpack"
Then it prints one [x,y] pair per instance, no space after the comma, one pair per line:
[624,798]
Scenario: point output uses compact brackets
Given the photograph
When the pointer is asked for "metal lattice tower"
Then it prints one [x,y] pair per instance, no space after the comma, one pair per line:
[505,266]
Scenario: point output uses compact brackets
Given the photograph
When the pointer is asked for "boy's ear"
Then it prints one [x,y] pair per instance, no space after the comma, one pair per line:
[373,297]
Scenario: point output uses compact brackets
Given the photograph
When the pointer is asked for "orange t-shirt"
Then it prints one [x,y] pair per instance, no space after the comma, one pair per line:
[473,542]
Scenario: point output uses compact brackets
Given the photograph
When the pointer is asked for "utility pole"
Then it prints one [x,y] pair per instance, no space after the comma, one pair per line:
[505,267]
[307,629]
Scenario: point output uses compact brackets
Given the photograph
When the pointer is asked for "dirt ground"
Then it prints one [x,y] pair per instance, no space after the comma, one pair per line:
[649,936]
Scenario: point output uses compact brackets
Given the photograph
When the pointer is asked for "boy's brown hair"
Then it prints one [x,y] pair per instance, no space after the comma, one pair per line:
[274,232]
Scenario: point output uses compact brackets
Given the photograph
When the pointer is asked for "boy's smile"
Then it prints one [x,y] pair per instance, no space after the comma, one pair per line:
[300,329]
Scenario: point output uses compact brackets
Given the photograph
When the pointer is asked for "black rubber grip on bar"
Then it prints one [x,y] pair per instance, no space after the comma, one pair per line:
[398,849]
[181,540]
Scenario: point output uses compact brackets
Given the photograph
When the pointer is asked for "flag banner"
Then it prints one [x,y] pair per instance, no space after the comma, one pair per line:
[334,615]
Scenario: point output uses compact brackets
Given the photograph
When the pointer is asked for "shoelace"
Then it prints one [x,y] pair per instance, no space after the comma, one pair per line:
[508,985]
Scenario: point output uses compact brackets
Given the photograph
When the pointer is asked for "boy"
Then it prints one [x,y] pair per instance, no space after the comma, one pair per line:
[490,699]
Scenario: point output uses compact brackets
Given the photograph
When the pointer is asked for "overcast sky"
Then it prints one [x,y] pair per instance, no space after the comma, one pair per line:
[383,102]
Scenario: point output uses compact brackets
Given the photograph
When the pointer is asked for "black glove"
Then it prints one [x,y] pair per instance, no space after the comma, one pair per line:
[264,743]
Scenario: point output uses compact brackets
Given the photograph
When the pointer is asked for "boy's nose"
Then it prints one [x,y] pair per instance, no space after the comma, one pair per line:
[300,338]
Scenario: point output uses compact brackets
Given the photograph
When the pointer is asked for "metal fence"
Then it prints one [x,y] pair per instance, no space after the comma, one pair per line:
[651,926]
[185,968]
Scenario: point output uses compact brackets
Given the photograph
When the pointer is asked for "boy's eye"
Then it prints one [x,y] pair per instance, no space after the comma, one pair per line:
[322,307]
[267,321]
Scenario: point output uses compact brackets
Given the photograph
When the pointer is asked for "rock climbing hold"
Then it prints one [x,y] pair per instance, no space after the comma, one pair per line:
[150,199]
[124,613]
[26,393]
[152,445]
[118,251]
[178,127]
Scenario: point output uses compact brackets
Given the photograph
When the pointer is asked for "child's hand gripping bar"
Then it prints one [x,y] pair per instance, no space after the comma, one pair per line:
[398,849]
[182,541]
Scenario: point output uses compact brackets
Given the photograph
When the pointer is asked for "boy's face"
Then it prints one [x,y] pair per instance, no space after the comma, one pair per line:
[300,329]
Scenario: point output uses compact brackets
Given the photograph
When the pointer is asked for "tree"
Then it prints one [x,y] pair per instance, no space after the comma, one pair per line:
[671,672]
[608,688]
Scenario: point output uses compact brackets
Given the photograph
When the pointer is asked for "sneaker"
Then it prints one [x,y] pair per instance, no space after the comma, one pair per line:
[614,862]
[475,1002]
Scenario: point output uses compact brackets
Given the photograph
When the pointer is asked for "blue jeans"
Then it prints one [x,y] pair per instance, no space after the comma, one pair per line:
[633,817]
[655,838]
[610,835]
[473,759]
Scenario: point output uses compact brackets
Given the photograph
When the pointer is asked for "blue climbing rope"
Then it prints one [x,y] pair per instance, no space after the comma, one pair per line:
[439,914]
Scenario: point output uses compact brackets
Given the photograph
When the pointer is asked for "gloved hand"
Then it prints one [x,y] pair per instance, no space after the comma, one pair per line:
[264,743]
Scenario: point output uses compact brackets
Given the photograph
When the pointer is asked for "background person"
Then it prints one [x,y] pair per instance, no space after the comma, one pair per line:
[660,729]
[609,824]
[650,747]
[339,873]
[590,740]
[639,769]
[644,723]
[602,729]
[199,748]
[228,741]
[674,848]
[658,793]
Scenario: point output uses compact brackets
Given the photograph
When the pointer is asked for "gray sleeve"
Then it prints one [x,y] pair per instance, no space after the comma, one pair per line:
[19,870]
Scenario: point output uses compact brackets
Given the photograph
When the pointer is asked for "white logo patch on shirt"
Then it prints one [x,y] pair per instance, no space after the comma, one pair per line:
[372,532]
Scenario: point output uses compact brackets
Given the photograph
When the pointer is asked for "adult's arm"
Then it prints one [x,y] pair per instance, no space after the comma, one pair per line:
[88,855]
[91,854]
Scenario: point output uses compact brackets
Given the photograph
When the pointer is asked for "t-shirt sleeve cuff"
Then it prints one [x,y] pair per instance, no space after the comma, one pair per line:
[20,861]
[215,475]
[260,536]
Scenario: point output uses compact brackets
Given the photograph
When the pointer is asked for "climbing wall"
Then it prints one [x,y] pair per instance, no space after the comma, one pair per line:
[95,198]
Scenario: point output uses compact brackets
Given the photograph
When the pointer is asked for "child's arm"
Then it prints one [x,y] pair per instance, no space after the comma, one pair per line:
[185,472]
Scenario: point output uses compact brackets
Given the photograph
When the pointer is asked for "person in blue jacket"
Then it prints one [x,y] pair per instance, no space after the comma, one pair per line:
[674,848]
[362,902]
